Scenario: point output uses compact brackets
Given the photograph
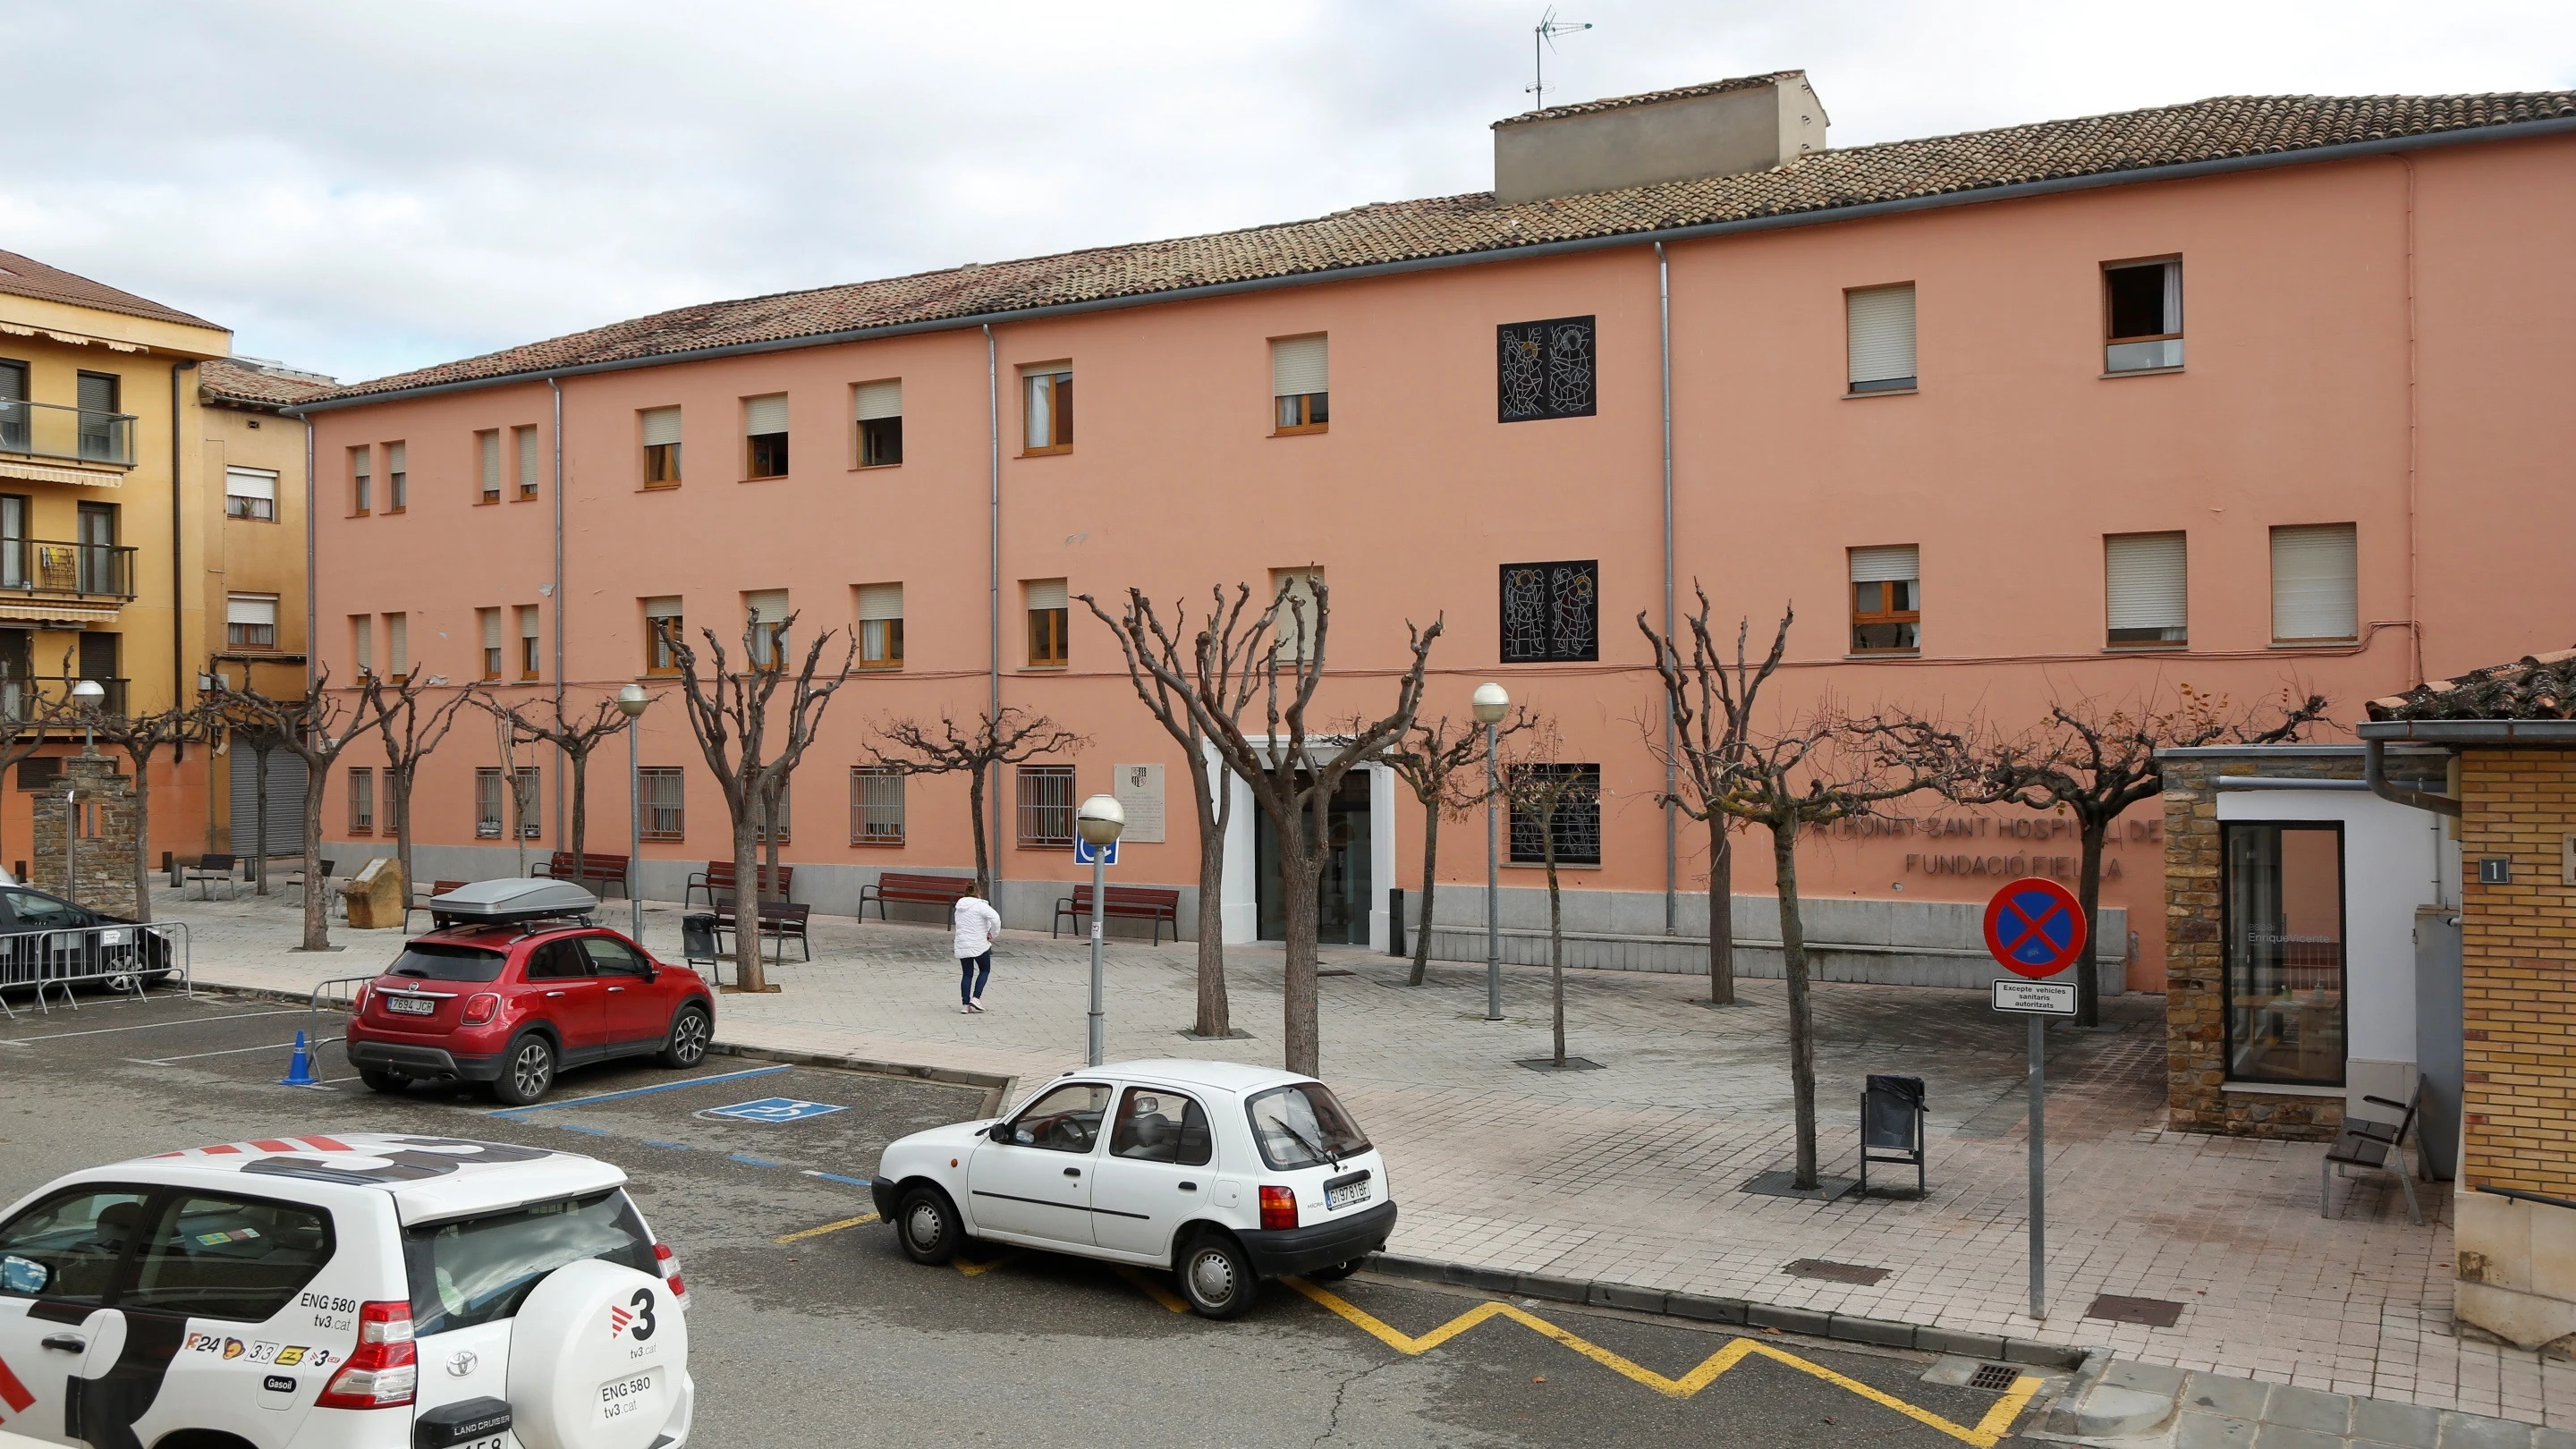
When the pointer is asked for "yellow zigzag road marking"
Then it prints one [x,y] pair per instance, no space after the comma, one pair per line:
[987,1266]
[1156,1291]
[798,1237]
[1988,1431]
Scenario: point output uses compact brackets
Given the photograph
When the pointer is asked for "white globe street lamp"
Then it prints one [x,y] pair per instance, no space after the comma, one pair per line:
[1099,822]
[632,701]
[1491,702]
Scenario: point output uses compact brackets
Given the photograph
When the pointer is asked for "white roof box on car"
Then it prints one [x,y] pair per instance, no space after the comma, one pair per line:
[503,902]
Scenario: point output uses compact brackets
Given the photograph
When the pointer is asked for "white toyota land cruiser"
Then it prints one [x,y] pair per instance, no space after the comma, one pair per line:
[366,1291]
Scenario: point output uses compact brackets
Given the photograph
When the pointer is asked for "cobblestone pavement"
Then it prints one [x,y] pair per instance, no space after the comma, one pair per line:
[1634,1173]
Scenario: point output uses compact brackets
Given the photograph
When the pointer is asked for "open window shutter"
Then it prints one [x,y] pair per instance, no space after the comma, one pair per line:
[762,415]
[881,399]
[1047,594]
[491,445]
[1886,564]
[244,609]
[2314,595]
[2144,578]
[1297,366]
[398,640]
[251,483]
[1882,333]
[880,601]
[665,607]
[769,606]
[661,426]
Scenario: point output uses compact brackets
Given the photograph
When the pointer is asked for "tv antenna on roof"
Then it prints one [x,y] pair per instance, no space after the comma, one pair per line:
[1542,40]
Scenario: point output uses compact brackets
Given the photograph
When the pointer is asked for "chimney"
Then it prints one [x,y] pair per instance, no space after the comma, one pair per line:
[1721,129]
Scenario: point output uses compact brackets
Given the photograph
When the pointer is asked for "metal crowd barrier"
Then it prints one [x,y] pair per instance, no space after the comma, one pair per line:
[338,995]
[123,959]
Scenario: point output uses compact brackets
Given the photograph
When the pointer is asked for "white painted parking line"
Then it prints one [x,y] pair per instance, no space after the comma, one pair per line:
[283,1046]
[157,1025]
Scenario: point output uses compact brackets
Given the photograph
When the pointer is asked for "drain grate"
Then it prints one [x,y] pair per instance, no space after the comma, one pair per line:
[1836,1272]
[1997,1376]
[2153,1312]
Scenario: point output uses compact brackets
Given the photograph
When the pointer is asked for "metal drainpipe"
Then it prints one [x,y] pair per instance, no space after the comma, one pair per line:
[312,595]
[2374,773]
[178,542]
[563,827]
[993,432]
[1672,822]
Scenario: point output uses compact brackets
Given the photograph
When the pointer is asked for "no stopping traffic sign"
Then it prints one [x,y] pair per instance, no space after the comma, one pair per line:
[2034,927]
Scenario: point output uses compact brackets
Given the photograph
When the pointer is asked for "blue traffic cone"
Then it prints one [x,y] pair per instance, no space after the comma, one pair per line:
[300,1072]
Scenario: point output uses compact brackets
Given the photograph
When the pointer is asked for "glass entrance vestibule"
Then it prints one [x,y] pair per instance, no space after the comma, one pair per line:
[2285,966]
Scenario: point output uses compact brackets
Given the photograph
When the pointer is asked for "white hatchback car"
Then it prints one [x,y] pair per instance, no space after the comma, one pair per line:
[365,1291]
[1224,1174]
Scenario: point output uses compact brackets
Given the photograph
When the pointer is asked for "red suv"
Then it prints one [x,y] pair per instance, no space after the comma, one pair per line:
[514,1003]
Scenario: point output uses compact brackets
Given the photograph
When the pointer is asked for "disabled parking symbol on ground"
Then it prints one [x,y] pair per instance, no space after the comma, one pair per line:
[773,1109]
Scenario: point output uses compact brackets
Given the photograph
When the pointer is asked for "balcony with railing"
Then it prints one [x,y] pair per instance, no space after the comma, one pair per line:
[52,569]
[23,699]
[78,435]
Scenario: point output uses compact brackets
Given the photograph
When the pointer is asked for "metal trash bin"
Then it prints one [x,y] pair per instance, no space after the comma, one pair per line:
[698,937]
[1891,1127]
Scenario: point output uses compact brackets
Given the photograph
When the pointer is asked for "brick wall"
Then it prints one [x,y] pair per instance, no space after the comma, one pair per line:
[2518,959]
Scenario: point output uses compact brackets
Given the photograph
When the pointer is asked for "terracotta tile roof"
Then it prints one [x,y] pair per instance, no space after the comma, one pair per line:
[248,382]
[1616,103]
[27,277]
[1457,226]
[2536,686]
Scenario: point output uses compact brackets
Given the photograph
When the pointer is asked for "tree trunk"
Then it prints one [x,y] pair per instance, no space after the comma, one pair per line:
[1215,1016]
[747,972]
[1721,911]
[1555,933]
[2088,895]
[768,881]
[259,829]
[1298,871]
[398,811]
[317,913]
[143,838]
[579,764]
[975,806]
[1422,916]
[1802,1026]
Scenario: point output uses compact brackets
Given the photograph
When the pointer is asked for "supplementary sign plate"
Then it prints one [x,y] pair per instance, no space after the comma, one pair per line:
[2042,998]
[2034,927]
[773,1109]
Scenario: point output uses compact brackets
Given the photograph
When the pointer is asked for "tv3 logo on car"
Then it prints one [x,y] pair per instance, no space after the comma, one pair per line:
[639,1315]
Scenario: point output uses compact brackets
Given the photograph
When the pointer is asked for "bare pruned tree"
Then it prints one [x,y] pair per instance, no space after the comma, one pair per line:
[2094,758]
[1437,766]
[730,714]
[1167,676]
[315,727]
[409,735]
[576,734]
[1711,705]
[1012,737]
[141,737]
[1552,801]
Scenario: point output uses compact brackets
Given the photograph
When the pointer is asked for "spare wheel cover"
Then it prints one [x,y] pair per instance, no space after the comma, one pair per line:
[597,1356]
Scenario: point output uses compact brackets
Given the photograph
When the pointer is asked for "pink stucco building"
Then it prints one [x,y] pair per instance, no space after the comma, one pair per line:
[2239,394]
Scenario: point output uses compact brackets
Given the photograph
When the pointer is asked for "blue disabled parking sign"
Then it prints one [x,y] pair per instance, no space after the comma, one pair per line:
[773,1109]
[1084,850]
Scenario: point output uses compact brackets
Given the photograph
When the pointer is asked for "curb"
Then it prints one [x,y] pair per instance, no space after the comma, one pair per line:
[1848,1328]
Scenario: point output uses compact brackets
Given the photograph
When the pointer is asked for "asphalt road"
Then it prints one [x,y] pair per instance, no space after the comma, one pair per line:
[810,1329]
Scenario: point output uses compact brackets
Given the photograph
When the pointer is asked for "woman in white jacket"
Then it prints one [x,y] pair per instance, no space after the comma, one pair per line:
[977,924]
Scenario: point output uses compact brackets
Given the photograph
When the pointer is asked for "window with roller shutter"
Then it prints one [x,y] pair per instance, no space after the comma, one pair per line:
[2144,587]
[880,416]
[489,620]
[880,626]
[487,453]
[2315,586]
[1050,614]
[1046,408]
[764,428]
[1880,325]
[250,621]
[662,626]
[1300,388]
[529,462]
[766,616]
[1887,599]
[661,431]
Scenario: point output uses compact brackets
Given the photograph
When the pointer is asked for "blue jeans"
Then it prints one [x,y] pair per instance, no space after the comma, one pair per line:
[972,973]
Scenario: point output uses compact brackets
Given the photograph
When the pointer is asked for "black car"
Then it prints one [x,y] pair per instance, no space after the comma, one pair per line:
[44,937]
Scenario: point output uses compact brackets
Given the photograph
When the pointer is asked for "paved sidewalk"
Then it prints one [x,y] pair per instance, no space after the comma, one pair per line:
[1633,1174]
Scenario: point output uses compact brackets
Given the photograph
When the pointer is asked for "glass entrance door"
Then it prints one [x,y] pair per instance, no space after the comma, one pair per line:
[1342,895]
[2285,952]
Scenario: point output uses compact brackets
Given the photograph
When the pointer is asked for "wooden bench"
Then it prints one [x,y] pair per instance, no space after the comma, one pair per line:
[717,881]
[593,865]
[781,920]
[1125,903]
[209,868]
[440,889]
[914,890]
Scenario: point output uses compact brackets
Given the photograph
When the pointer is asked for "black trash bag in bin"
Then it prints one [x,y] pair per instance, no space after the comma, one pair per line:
[1891,1126]
[698,936]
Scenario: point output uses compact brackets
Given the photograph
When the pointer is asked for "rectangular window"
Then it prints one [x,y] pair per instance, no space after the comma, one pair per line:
[40,773]
[766,614]
[362,640]
[880,407]
[250,621]
[1047,394]
[664,788]
[2315,592]
[1551,611]
[661,631]
[251,493]
[13,407]
[1545,370]
[531,821]
[490,622]
[362,479]
[529,466]
[880,626]
[1292,633]
[2144,578]
[1300,385]
[398,660]
[1050,614]
[1887,599]
[661,447]
[876,805]
[487,452]
[397,477]
[1566,798]
[1046,807]
[531,650]
[2142,316]
[2285,924]
[764,430]
[362,801]
[1880,323]
[488,807]
[100,437]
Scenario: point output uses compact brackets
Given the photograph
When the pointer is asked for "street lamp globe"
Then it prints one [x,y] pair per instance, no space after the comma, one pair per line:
[632,701]
[89,692]
[1100,819]
[1491,703]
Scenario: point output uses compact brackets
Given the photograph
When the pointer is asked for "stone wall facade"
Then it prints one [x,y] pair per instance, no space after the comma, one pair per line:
[104,815]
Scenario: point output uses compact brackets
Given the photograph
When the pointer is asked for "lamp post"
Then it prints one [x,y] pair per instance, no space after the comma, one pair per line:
[85,696]
[1490,703]
[632,702]
[1099,820]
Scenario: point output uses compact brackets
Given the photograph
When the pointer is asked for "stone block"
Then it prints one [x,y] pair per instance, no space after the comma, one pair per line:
[1871,1330]
[1704,1308]
[2208,1431]
[1790,1320]
[2300,1408]
[1616,1295]
[2219,1394]
[1541,1285]
[2384,1421]
[1468,1275]
[1966,1345]
[2476,1431]
[376,897]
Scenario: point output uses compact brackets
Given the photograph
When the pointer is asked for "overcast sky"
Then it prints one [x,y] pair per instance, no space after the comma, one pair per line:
[366,187]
